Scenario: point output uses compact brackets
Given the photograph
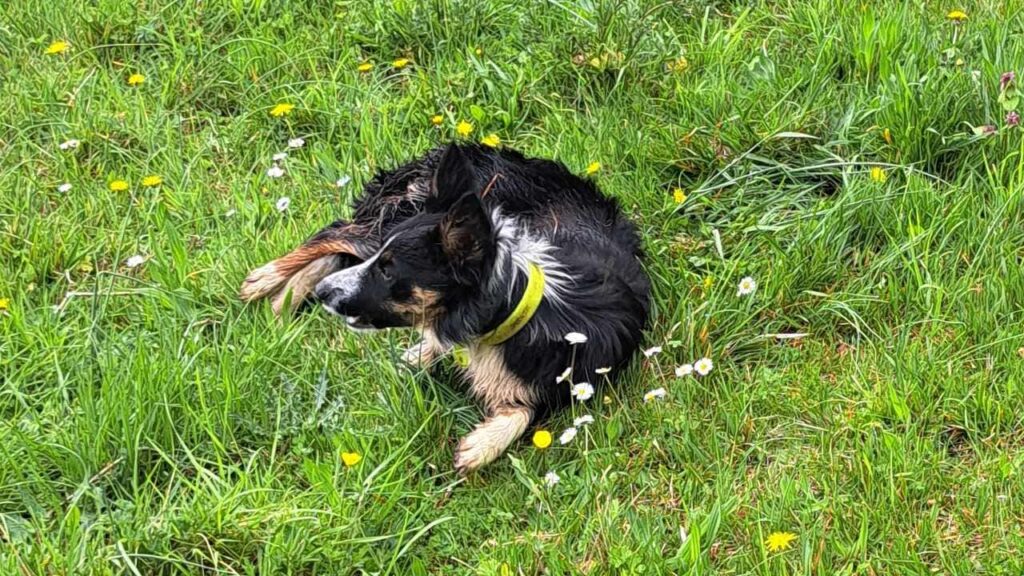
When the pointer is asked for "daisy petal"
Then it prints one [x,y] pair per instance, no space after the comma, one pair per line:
[575,338]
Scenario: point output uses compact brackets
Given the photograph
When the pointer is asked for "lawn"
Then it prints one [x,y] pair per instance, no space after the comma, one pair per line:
[857,160]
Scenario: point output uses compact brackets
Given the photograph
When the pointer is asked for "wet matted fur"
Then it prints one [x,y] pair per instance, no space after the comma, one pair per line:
[444,245]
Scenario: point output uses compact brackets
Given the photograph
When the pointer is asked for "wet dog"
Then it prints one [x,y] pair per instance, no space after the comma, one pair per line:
[495,254]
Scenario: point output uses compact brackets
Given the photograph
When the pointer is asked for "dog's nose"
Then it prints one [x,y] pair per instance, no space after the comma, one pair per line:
[324,292]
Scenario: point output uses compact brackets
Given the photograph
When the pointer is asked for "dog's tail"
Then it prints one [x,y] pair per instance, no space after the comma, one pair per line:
[292,277]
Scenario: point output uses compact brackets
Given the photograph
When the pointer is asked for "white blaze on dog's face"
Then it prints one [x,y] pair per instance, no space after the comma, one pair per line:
[427,261]
[340,292]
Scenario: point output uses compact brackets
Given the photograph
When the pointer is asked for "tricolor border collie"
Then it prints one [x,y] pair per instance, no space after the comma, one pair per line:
[491,253]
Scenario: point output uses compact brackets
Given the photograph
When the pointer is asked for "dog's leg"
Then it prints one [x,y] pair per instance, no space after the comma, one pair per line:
[507,401]
[309,262]
[491,437]
[425,352]
[302,283]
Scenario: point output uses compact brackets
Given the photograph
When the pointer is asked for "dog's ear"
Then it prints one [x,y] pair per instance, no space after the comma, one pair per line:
[466,236]
[291,278]
[453,179]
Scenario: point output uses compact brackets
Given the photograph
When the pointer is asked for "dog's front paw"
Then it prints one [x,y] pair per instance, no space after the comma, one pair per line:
[473,452]
[261,282]
[490,438]
[419,354]
[414,355]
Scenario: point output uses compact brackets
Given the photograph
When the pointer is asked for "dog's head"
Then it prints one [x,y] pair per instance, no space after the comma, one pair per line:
[426,263]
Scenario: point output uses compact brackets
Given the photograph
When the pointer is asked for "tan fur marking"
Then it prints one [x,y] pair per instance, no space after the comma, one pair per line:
[422,307]
[302,256]
[302,283]
[490,438]
[492,383]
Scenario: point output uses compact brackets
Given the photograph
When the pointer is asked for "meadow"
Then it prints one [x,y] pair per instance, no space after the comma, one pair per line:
[860,161]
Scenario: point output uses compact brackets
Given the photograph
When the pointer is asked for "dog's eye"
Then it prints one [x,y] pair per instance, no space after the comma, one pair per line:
[386,268]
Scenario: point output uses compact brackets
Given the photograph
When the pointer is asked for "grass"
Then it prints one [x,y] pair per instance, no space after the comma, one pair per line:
[153,424]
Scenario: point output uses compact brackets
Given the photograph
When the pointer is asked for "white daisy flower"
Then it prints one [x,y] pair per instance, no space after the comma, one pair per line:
[656,393]
[69,144]
[575,338]
[787,335]
[746,287]
[65,187]
[279,157]
[703,366]
[296,143]
[563,376]
[135,261]
[343,181]
[603,370]
[583,420]
[567,435]
[551,478]
[283,203]
[582,391]
[652,351]
[275,171]
[684,370]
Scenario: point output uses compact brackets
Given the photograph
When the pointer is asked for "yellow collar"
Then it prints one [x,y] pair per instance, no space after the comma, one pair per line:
[523,311]
[515,322]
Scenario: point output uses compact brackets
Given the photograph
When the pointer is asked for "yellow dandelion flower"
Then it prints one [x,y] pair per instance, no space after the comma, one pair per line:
[878,175]
[351,458]
[118,186]
[136,79]
[542,439]
[709,281]
[436,119]
[679,196]
[957,15]
[887,136]
[151,181]
[5,303]
[779,541]
[679,64]
[400,63]
[58,47]
[365,67]
[491,140]
[479,51]
[464,128]
[282,110]
[593,167]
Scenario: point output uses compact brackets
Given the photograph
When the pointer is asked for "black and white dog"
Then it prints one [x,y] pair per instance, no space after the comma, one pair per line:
[493,253]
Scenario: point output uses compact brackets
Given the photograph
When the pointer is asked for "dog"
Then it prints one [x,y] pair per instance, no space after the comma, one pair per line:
[495,255]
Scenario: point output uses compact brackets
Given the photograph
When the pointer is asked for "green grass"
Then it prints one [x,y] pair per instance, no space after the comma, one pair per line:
[156,425]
